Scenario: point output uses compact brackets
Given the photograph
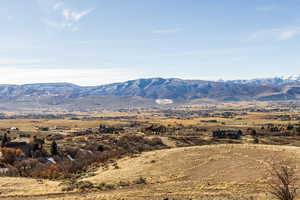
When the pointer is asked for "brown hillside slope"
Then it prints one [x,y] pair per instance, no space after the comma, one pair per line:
[206,172]
[196,172]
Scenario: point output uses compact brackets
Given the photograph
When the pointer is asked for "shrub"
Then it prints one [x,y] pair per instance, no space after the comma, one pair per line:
[85,186]
[297,129]
[52,171]
[290,127]
[140,180]
[25,167]
[255,140]
[253,132]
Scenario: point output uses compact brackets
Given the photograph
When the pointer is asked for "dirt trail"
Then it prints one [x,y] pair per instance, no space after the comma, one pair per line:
[167,141]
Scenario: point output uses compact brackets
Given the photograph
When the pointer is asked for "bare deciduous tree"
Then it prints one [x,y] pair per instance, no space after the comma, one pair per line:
[282,182]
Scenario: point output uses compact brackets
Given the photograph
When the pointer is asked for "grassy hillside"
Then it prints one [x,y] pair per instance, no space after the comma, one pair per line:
[207,172]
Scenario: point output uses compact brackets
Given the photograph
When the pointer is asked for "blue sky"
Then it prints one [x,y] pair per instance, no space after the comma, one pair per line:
[102,41]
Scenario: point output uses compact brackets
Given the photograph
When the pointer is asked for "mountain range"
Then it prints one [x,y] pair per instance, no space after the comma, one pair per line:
[145,92]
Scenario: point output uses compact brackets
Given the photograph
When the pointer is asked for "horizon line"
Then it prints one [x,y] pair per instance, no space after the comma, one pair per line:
[154,77]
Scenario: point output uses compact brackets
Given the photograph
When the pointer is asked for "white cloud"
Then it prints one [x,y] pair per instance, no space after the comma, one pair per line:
[72,15]
[275,34]
[167,31]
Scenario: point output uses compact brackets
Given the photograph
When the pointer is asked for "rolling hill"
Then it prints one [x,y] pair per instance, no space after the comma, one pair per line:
[201,172]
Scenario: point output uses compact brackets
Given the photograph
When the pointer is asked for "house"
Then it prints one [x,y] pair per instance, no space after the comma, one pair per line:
[14,129]
[44,128]
[29,149]
[156,129]
[23,146]
[230,134]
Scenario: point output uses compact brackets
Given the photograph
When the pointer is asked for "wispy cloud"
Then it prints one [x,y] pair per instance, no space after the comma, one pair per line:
[61,16]
[62,25]
[72,15]
[289,34]
[167,31]
[58,5]
[279,34]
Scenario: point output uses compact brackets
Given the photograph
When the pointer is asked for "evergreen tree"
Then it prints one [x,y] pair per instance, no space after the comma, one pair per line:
[4,140]
[53,149]
[253,132]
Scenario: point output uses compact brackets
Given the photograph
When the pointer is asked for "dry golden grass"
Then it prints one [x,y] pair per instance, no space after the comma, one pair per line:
[207,172]
[30,125]
[222,171]
[27,186]
[22,124]
[78,123]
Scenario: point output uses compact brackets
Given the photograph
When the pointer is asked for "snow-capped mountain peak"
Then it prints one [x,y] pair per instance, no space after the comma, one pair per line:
[279,80]
[294,77]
